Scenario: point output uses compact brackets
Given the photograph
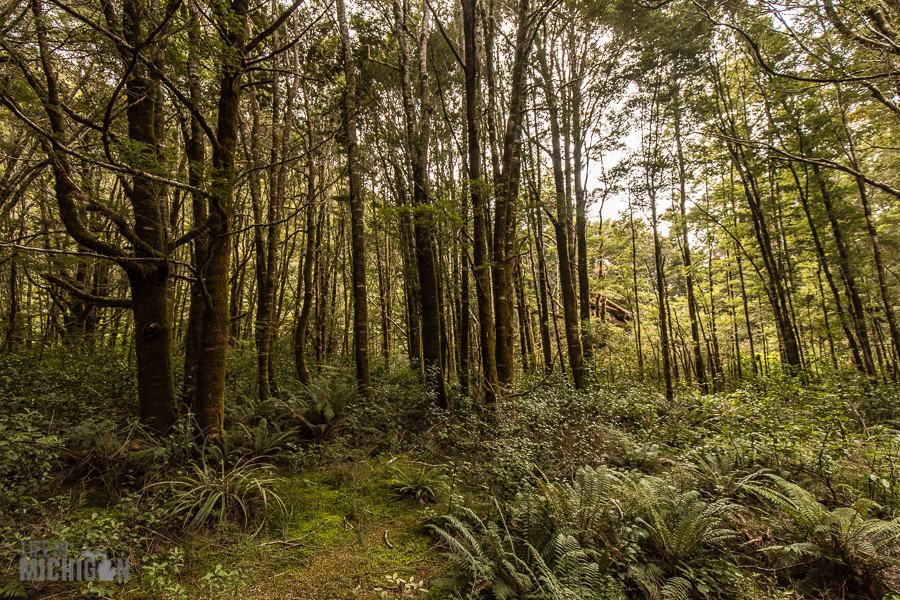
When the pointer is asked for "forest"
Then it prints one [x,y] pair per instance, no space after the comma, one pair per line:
[487,299]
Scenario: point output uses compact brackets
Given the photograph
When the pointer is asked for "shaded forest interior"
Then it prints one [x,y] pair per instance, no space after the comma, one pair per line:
[579,299]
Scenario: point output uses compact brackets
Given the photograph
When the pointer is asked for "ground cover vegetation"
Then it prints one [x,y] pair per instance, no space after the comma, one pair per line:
[488,299]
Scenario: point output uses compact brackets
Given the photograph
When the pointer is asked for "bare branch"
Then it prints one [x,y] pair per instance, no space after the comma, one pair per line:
[85,297]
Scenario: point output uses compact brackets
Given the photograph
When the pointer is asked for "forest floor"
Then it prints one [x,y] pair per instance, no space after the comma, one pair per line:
[777,488]
[346,534]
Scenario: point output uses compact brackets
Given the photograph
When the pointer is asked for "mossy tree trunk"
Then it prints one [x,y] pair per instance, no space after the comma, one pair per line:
[418,136]
[357,215]
[210,400]
[480,262]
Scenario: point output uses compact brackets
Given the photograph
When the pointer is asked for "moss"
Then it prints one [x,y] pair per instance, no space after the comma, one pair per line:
[344,533]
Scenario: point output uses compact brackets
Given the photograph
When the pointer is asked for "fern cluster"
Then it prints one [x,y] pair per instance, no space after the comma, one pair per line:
[609,534]
[503,565]
[844,546]
[595,537]
[428,484]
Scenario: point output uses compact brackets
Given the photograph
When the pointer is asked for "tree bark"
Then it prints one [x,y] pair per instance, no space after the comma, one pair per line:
[210,405]
[877,253]
[505,203]
[584,291]
[418,135]
[699,367]
[261,231]
[146,266]
[309,259]
[357,215]
[560,226]
[861,357]
[480,263]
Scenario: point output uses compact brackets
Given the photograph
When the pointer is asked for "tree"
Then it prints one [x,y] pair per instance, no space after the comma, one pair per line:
[357,210]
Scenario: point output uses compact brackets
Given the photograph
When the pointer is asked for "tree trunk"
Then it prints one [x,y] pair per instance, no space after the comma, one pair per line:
[775,289]
[13,331]
[861,357]
[877,253]
[480,262]
[210,405]
[855,306]
[418,134]
[357,215]
[505,203]
[699,367]
[546,344]
[309,255]
[584,292]
[664,341]
[567,288]
[637,300]
[261,324]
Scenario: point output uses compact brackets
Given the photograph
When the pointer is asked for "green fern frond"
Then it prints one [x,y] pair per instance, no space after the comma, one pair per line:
[832,544]
[677,588]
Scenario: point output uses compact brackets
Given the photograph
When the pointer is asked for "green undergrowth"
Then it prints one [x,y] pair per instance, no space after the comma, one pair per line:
[776,489]
[343,534]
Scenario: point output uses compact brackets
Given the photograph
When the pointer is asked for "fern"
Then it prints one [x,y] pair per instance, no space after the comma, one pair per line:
[250,410]
[579,572]
[465,548]
[718,475]
[427,484]
[685,537]
[229,448]
[508,566]
[583,540]
[581,503]
[587,508]
[265,438]
[326,400]
[677,588]
[13,589]
[845,545]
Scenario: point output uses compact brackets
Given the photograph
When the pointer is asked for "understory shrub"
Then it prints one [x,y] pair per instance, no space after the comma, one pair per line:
[27,455]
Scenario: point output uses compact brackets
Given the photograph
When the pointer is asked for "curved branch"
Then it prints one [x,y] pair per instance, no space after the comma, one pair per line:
[261,36]
[812,160]
[117,168]
[757,54]
[84,296]
[293,42]
[125,46]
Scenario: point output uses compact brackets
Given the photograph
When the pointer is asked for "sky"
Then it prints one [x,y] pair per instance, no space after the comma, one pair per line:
[617,203]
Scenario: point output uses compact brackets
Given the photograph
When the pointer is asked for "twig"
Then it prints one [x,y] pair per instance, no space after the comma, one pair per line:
[394,570]
[377,514]
[421,464]
[288,543]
